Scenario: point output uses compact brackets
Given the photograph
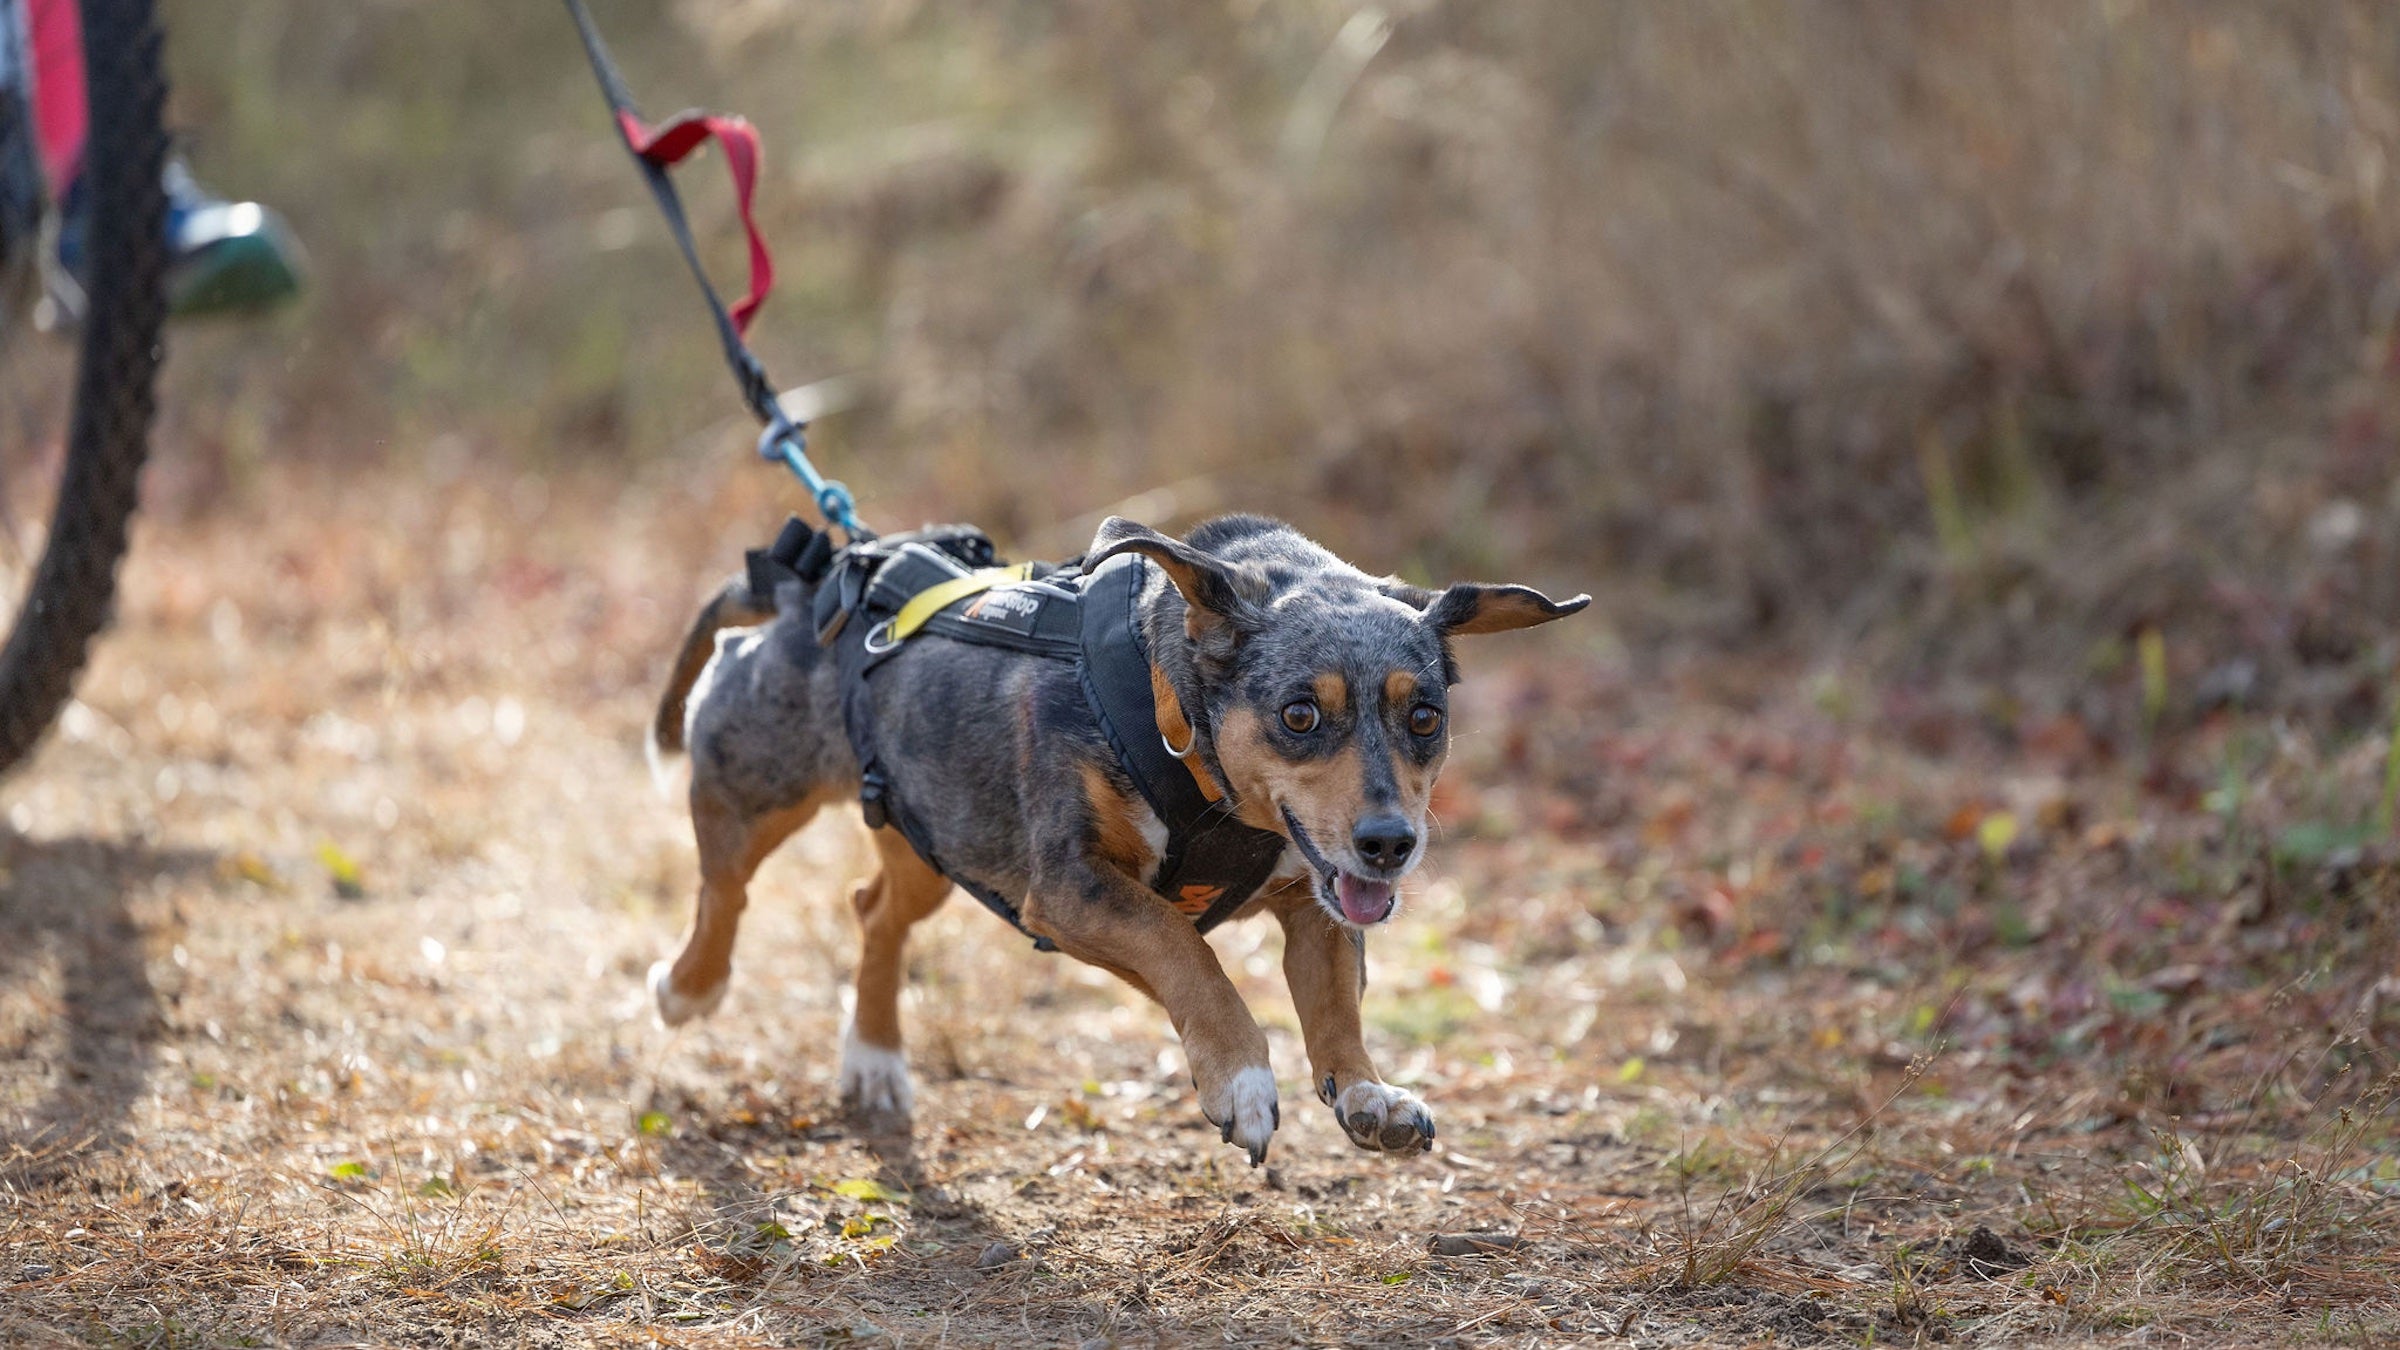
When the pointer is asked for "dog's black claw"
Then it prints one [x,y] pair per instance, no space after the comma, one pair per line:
[1275,1115]
[1225,1132]
[1258,1153]
[1326,1093]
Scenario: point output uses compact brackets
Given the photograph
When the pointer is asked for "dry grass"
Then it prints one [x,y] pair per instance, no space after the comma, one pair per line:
[1760,1001]
[323,918]
[1983,336]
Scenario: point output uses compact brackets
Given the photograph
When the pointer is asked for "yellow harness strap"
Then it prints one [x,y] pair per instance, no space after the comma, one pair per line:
[934,599]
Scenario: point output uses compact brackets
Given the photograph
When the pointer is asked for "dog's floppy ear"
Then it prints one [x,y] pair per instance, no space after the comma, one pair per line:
[1471,607]
[1219,597]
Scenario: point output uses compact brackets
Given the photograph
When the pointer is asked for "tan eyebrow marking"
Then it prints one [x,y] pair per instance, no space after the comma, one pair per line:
[1399,688]
[1333,693]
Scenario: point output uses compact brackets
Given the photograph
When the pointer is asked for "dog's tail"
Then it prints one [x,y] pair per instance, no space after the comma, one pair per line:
[732,607]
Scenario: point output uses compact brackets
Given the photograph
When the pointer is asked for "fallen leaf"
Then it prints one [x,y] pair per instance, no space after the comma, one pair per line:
[247,866]
[348,882]
[1472,1244]
[865,1188]
[1995,833]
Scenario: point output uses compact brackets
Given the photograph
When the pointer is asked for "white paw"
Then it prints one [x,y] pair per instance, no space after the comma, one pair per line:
[1244,1111]
[873,1079]
[676,1009]
[1384,1118]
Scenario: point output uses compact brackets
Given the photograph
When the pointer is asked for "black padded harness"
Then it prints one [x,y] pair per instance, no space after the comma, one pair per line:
[1213,863]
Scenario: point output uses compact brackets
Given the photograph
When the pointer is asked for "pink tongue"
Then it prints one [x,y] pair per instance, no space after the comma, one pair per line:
[1363,901]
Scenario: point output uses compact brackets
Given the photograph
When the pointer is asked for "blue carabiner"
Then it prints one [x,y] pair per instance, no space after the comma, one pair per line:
[786,442]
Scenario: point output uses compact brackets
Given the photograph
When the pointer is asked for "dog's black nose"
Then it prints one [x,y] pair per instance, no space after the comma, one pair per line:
[1383,841]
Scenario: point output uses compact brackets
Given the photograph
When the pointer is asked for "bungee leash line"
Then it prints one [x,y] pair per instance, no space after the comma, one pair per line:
[657,149]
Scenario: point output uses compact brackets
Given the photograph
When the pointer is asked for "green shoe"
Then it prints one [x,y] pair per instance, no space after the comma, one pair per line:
[226,257]
[223,257]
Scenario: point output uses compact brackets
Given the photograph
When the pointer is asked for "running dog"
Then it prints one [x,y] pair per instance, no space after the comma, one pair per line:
[1306,698]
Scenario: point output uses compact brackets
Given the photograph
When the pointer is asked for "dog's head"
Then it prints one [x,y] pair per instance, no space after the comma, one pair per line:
[1325,691]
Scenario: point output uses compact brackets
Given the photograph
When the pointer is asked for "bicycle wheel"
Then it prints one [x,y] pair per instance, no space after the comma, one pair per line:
[75,412]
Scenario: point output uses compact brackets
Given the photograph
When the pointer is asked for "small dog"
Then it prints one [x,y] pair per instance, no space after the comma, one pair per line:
[1309,699]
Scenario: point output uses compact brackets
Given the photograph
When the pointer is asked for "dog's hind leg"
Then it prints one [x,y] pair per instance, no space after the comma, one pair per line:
[732,845]
[874,1071]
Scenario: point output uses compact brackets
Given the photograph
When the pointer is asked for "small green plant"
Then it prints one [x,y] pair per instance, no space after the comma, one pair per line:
[2262,1227]
[1951,530]
[1714,1245]
[434,1239]
[2387,812]
[1911,1272]
[2150,651]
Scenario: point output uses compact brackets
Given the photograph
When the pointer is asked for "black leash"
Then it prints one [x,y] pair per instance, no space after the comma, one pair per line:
[656,150]
[1214,863]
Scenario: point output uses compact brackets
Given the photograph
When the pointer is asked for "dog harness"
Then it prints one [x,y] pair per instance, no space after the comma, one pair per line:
[946,582]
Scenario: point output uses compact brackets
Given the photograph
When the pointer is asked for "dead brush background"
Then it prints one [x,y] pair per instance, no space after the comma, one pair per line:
[1984,333]
[1949,896]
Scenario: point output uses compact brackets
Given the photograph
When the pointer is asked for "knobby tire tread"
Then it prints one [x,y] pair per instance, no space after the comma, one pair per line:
[74,586]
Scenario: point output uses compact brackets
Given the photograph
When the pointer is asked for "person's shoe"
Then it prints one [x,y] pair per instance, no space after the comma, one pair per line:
[222,257]
[225,257]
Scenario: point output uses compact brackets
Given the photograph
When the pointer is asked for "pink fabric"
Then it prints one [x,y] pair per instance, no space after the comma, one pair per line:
[59,110]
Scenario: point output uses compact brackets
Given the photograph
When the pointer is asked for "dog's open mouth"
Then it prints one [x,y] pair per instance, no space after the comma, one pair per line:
[1358,899]
[1363,901]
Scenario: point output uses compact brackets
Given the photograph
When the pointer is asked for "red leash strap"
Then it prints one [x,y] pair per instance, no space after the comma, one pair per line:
[654,151]
[673,141]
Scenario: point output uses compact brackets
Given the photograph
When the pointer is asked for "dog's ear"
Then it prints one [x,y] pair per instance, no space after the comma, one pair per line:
[1220,598]
[1470,607]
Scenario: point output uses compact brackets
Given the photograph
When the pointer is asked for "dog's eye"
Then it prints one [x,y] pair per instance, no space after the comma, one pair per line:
[1300,718]
[1424,719]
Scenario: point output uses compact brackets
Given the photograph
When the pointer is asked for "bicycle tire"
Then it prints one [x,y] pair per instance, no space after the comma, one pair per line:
[73,591]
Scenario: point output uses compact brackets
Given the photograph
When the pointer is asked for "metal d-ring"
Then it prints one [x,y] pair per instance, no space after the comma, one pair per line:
[879,639]
[1186,751]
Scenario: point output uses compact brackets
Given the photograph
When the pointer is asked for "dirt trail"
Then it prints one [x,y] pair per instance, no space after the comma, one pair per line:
[1746,1018]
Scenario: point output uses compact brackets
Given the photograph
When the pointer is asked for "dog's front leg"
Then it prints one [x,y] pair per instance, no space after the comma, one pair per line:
[1117,924]
[1326,969]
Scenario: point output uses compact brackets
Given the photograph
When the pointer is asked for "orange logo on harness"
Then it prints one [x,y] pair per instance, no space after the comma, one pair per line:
[1003,604]
[1197,899]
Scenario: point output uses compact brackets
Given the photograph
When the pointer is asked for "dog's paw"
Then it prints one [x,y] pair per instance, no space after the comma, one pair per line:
[1244,1111]
[675,1009]
[874,1080]
[1384,1118]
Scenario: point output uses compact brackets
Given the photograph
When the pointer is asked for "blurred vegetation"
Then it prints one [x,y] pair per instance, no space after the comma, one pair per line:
[1984,337]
